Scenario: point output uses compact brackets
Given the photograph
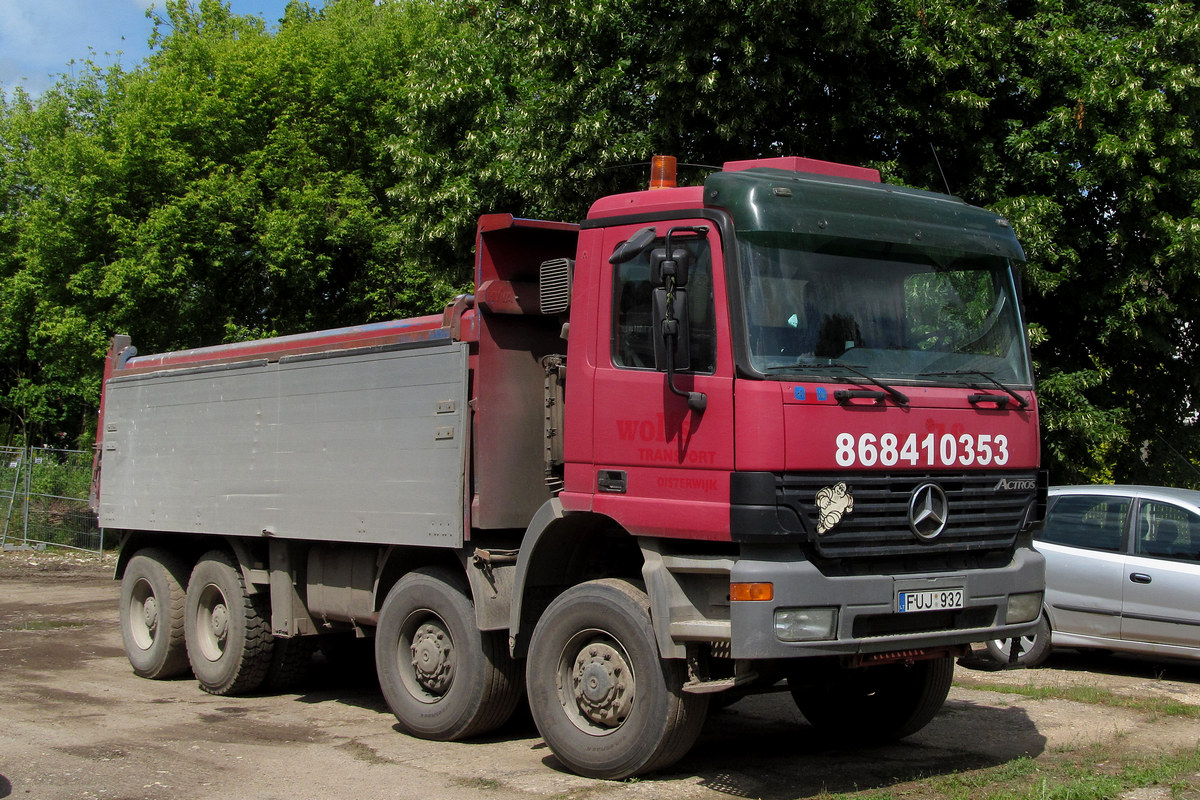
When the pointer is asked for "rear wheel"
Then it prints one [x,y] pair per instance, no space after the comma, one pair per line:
[878,704]
[228,635]
[152,609]
[605,702]
[1035,646]
[442,677]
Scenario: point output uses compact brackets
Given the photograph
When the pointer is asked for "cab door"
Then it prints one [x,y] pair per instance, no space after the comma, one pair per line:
[662,468]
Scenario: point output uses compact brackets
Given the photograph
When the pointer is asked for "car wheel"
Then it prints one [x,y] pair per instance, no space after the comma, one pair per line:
[1035,647]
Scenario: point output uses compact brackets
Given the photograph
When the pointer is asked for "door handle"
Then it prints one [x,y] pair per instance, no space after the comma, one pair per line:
[846,396]
[1139,577]
[611,480]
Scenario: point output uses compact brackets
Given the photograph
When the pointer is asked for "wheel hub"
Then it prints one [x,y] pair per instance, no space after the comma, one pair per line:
[603,685]
[220,622]
[433,658]
[150,613]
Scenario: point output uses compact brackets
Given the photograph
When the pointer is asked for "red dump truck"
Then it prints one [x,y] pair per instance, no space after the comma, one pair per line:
[775,431]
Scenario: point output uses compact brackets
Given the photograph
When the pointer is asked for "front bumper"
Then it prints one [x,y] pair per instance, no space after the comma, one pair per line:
[867,618]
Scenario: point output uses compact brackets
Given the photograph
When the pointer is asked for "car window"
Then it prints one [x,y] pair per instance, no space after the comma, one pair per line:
[1168,531]
[1092,521]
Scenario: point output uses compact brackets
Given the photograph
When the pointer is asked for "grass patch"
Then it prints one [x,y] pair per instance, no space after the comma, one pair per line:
[363,753]
[477,783]
[1097,773]
[578,793]
[1096,696]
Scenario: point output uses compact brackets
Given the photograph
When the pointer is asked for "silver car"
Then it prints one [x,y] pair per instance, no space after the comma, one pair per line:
[1122,573]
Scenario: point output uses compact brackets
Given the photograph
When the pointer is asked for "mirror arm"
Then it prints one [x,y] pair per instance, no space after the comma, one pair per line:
[697,401]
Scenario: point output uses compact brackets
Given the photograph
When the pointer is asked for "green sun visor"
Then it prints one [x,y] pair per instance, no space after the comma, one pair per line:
[817,208]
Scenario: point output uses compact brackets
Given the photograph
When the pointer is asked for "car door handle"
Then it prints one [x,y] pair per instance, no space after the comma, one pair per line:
[1139,577]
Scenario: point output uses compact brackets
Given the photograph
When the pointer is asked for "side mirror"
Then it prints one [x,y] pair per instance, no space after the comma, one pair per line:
[634,246]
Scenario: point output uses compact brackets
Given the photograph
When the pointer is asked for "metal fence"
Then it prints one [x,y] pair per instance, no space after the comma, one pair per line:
[44,500]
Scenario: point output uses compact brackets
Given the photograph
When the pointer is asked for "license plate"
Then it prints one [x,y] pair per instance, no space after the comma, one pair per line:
[935,600]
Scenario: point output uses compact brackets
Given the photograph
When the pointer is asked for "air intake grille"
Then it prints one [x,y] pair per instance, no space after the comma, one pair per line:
[981,515]
[555,283]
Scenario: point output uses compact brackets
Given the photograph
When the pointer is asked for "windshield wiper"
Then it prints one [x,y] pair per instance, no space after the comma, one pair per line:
[898,396]
[987,376]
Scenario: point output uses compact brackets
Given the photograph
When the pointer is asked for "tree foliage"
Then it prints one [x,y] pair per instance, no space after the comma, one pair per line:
[246,181]
[1077,122]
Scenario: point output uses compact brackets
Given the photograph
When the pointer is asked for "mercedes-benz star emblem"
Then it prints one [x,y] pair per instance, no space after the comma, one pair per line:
[927,511]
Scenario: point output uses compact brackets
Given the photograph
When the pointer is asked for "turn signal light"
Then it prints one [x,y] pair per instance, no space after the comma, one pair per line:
[751,591]
[662,172]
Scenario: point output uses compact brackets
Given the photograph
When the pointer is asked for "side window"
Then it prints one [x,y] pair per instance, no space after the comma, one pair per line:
[1168,531]
[633,326]
[1092,521]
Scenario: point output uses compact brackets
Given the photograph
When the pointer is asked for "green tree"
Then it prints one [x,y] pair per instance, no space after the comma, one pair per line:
[234,185]
[265,164]
[1075,121]
[244,182]
[55,181]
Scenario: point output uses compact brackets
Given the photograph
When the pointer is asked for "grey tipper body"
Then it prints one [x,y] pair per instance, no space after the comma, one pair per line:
[365,448]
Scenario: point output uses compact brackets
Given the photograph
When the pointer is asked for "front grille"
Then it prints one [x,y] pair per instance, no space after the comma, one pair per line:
[981,517]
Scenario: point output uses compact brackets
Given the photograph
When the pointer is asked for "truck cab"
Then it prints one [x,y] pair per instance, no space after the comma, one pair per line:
[808,397]
[868,405]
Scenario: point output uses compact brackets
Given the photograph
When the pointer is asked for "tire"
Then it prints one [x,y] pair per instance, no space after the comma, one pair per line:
[442,677]
[877,704]
[605,702]
[1035,647]
[152,608]
[228,635]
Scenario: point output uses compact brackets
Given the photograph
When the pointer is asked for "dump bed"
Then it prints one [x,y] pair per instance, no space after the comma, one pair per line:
[346,445]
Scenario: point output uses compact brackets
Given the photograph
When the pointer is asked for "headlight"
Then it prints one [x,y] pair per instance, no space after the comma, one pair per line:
[805,624]
[1023,608]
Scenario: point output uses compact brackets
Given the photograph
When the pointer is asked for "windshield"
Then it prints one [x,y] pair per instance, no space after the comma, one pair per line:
[895,312]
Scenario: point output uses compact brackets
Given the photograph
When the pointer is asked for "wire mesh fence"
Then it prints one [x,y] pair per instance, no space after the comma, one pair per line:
[44,500]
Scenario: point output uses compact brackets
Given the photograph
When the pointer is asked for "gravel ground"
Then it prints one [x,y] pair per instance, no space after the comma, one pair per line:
[76,723]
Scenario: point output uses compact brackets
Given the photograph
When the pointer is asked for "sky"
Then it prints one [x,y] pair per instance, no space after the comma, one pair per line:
[39,38]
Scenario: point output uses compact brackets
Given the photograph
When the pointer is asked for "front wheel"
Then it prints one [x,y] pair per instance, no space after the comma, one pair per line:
[878,704]
[1035,647]
[443,678]
[602,698]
